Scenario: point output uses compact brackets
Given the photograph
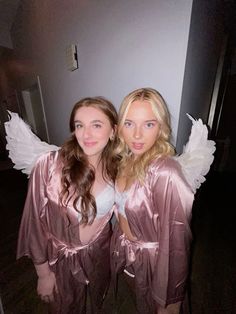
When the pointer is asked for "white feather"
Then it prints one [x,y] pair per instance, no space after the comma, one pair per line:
[197,155]
[23,145]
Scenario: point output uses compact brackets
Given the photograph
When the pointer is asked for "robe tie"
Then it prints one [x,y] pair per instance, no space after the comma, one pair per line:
[58,250]
[131,247]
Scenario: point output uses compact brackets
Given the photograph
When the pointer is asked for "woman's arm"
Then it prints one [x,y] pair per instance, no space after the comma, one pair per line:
[172,200]
[33,240]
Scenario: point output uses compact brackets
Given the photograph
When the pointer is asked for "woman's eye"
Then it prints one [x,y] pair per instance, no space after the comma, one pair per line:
[127,124]
[97,126]
[78,126]
[149,125]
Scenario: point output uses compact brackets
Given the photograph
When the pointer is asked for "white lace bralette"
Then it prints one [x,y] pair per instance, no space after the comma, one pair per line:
[120,200]
[104,201]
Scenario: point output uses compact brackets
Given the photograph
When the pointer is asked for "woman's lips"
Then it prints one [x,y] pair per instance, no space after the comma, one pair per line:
[89,144]
[138,146]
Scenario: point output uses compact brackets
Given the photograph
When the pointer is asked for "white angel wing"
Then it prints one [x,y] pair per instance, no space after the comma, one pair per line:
[197,155]
[23,145]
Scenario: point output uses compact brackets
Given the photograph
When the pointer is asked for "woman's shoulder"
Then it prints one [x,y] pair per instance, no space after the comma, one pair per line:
[47,157]
[166,167]
[164,163]
[46,165]
[47,162]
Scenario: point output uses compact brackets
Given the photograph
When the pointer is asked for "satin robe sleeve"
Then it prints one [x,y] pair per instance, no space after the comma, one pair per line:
[173,198]
[32,240]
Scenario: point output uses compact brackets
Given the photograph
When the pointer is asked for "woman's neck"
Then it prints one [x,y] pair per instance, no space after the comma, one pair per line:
[94,161]
[99,182]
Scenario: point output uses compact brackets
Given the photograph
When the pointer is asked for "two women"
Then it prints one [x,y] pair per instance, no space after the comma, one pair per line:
[65,226]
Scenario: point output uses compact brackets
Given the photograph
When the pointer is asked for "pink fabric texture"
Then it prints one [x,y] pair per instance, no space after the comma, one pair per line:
[159,214]
[51,233]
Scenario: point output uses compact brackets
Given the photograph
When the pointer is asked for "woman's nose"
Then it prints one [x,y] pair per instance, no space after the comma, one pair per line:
[137,132]
[87,132]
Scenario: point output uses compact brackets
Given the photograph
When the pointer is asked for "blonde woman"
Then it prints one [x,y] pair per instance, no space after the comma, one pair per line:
[152,242]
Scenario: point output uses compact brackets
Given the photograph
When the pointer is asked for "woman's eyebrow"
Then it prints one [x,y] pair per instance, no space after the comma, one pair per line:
[151,120]
[100,121]
[93,121]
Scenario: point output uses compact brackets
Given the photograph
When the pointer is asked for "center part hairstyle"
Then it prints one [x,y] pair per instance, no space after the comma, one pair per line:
[77,174]
[162,145]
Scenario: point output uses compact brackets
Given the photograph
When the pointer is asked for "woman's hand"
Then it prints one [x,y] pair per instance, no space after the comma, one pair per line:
[170,309]
[46,287]
[125,228]
[46,282]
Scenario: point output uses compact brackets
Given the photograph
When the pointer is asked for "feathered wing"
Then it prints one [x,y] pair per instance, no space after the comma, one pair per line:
[23,145]
[197,155]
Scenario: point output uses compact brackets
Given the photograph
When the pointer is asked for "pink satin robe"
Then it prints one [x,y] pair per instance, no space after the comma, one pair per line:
[158,213]
[52,233]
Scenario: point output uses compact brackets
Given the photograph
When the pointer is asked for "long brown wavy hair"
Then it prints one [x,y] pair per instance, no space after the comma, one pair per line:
[77,174]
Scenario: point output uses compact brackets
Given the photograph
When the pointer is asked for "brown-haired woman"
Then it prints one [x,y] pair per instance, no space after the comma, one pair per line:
[65,227]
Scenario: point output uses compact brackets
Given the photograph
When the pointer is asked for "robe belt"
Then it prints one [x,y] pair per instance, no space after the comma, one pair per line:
[58,250]
[131,247]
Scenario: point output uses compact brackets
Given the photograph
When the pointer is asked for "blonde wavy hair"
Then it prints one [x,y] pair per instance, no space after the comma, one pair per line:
[136,168]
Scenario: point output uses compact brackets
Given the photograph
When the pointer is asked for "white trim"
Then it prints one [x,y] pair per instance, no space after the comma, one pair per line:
[128,273]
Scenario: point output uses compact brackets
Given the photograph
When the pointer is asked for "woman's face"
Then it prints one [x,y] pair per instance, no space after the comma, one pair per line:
[92,131]
[140,129]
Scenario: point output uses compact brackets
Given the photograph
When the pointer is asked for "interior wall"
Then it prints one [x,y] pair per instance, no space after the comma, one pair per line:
[204,46]
[226,135]
[7,95]
[122,45]
[6,57]
[7,14]
[5,37]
